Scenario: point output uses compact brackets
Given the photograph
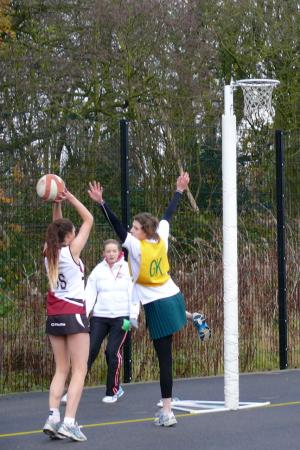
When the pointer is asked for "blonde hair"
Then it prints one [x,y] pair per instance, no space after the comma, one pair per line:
[55,236]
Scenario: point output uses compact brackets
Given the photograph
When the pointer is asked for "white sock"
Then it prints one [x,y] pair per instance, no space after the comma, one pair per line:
[69,420]
[54,414]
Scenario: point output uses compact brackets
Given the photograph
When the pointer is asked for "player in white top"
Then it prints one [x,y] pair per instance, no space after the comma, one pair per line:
[108,299]
[67,324]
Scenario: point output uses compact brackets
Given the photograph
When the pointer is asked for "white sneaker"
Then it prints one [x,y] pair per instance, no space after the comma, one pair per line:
[64,398]
[110,399]
[113,398]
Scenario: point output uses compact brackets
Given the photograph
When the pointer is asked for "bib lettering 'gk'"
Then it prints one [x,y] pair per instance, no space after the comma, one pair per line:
[154,263]
[155,267]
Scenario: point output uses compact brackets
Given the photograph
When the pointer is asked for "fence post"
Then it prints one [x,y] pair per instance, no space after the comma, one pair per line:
[283,349]
[127,369]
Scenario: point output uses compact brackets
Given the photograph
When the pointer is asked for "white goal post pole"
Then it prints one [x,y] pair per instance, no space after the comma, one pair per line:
[230,259]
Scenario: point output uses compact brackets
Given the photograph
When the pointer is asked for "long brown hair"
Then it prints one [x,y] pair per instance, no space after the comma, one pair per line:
[55,236]
[149,225]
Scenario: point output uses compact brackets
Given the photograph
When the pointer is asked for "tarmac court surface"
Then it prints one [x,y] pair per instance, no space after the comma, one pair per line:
[128,424]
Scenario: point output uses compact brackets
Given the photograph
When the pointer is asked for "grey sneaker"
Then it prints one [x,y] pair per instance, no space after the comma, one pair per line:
[51,428]
[164,420]
[120,392]
[72,432]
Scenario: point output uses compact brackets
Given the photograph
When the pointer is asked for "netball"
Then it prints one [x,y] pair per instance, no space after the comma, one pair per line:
[49,187]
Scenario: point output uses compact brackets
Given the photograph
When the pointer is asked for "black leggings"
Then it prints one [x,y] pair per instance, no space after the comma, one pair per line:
[163,348]
[100,327]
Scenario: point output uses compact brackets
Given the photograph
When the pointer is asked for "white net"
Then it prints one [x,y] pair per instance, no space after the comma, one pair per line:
[257,98]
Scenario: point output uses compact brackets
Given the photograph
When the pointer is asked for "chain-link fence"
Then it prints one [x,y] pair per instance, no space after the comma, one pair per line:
[81,152]
[292,212]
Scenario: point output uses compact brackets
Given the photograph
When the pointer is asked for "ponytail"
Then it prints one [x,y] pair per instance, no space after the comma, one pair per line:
[56,233]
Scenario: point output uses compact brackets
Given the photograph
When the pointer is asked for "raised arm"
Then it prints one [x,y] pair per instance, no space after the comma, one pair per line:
[181,186]
[96,193]
[56,211]
[81,238]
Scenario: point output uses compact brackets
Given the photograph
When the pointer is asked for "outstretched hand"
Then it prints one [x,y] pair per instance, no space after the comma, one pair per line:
[182,182]
[96,191]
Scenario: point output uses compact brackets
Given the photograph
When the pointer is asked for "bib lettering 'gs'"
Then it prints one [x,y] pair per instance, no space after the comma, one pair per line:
[154,263]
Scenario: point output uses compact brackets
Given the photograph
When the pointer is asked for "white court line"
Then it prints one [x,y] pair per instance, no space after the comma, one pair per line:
[192,406]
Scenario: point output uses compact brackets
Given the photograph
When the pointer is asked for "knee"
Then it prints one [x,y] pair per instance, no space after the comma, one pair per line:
[80,369]
[79,366]
[62,371]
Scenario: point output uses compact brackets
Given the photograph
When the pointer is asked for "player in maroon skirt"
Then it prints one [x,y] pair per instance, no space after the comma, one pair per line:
[67,325]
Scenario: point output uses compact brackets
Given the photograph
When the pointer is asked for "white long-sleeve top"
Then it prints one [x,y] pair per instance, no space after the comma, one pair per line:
[146,294]
[108,291]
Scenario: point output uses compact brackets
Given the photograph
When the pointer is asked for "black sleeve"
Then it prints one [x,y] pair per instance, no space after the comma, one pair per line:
[172,206]
[114,222]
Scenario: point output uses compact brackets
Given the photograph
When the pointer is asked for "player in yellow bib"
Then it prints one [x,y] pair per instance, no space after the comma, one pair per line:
[154,267]
[147,245]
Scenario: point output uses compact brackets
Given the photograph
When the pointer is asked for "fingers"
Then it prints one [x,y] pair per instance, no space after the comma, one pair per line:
[95,191]
[95,186]
[183,181]
[61,197]
[185,176]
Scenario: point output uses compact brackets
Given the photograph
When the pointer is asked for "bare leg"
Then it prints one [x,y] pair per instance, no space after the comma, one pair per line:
[62,367]
[189,315]
[78,347]
[166,405]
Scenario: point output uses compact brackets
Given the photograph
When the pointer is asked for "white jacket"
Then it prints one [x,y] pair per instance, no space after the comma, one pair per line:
[108,291]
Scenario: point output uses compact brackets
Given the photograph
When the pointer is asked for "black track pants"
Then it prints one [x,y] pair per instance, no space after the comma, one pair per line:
[100,327]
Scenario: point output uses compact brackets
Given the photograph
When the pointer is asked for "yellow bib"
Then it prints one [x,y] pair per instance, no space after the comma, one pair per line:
[154,264]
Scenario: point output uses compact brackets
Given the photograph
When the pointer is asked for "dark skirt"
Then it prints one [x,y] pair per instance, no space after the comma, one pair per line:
[62,325]
[165,316]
